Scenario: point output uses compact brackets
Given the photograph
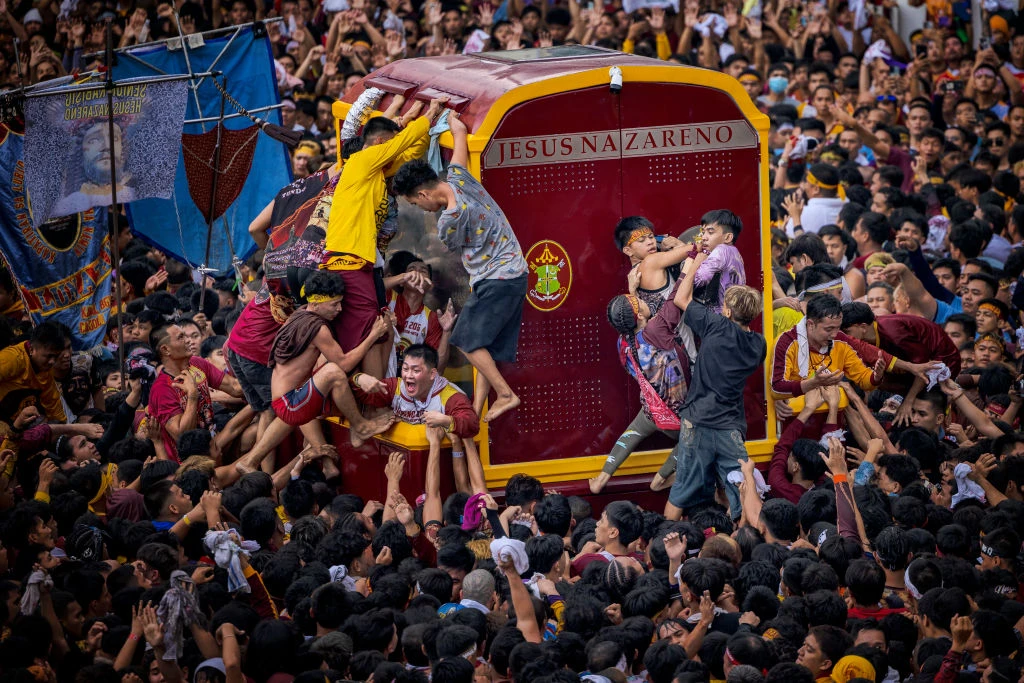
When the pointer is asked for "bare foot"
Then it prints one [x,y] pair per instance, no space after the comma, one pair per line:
[597,483]
[501,406]
[659,482]
[369,428]
[244,467]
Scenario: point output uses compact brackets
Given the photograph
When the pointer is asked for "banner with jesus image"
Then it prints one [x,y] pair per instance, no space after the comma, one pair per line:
[68,152]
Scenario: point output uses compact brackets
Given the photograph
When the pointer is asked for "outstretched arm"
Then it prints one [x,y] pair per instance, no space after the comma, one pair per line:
[460,140]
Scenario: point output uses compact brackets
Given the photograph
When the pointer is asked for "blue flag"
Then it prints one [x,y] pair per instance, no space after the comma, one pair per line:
[257,166]
[63,266]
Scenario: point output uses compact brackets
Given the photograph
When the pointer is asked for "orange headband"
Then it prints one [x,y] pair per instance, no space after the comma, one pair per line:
[634,303]
[992,338]
[639,234]
[991,308]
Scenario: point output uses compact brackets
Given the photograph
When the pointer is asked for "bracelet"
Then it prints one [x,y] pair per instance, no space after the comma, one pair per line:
[354,381]
[958,397]
[449,428]
[839,479]
[133,636]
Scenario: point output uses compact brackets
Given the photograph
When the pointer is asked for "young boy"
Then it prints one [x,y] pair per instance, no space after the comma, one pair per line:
[471,223]
[650,261]
[714,426]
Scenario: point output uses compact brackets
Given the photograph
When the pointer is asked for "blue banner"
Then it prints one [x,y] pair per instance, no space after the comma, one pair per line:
[258,166]
[63,266]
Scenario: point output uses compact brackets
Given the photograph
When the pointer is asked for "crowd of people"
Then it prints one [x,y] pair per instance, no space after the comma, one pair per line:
[155,529]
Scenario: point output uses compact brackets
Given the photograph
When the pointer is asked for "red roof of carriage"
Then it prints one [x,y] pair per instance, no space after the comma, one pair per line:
[476,81]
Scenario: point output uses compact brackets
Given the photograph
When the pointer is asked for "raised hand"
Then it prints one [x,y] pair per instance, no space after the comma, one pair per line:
[395,467]
[675,546]
[657,20]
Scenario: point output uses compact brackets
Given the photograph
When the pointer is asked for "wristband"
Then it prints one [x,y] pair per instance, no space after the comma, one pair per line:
[188,522]
[133,636]
[693,251]
[839,479]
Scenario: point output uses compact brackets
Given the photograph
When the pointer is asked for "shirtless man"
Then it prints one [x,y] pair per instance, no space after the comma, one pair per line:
[301,395]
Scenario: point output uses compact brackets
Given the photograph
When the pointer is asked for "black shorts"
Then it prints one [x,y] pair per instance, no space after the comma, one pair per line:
[254,380]
[491,319]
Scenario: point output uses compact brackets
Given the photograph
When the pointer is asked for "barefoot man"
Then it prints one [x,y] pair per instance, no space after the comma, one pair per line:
[472,224]
[301,395]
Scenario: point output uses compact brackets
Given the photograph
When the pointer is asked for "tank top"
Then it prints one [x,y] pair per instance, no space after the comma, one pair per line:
[654,298]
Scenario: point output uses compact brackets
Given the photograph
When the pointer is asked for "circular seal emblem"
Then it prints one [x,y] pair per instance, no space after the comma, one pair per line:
[550,275]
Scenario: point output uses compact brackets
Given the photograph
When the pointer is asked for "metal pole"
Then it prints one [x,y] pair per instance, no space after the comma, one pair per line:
[113,195]
[213,192]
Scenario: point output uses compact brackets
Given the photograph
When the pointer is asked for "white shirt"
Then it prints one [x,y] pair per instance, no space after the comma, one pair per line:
[466,602]
[820,211]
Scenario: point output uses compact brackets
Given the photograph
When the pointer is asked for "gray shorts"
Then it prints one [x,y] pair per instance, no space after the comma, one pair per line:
[254,378]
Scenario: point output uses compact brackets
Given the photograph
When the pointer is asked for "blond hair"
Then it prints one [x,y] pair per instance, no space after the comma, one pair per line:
[744,303]
[207,466]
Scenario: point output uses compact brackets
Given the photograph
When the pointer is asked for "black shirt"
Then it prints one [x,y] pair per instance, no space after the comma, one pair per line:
[728,356]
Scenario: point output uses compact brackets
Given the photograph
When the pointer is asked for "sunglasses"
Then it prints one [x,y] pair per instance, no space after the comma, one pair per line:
[886,98]
[995,142]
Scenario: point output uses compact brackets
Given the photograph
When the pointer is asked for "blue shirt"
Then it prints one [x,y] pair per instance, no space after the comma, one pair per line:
[944,310]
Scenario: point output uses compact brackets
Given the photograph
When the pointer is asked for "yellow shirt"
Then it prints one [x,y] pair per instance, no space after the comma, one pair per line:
[783,320]
[21,386]
[361,198]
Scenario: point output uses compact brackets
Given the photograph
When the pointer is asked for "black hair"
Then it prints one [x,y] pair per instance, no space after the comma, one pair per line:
[808,455]
[780,515]
[413,176]
[903,469]
[995,633]
[816,505]
[522,489]
[807,244]
[726,219]
[625,227]
[821,307]
[259,520]
[825,607]
[627,519]
[553,515]
[876,225]
[866,582]
[662,659]
[323,283]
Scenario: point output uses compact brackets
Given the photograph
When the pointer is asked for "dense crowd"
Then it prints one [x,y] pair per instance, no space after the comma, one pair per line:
[156,528]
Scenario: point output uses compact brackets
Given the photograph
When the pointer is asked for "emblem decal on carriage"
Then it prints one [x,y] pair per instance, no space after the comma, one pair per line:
[550,275]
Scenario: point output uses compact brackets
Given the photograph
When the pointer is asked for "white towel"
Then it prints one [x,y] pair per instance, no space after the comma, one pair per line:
[504,549]
[834,434]
[226,551]
[877,50]
[736,478]
[965,487]
[30,600]
[339,573]
[937,374]
[712,22]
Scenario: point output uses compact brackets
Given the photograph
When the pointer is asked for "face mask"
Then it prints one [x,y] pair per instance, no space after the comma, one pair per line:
[778,84]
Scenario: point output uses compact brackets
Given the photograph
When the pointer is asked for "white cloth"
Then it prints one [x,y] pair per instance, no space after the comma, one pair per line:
[965,487]
[937,374]
[819,212]
[504,549]
[30,600]
[712,22]
[877,50]
[226,551]
[834,434]
[736,478]
[339,574]
[1000,5]
[803,349]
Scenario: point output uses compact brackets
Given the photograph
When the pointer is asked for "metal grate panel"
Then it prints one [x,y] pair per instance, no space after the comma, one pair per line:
[690,167]
[553,178]
[570,405]
[557,342]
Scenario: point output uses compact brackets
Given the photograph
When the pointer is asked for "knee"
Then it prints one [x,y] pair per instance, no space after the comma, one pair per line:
[331,373]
